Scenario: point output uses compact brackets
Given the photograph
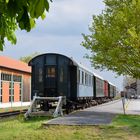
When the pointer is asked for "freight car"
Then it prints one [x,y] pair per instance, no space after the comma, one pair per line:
[56,75]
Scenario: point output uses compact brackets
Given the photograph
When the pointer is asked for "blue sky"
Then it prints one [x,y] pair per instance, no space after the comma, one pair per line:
[61,33]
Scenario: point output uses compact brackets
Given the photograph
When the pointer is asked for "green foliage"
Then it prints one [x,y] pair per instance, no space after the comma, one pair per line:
[26,59]
[21,14]
[114,41]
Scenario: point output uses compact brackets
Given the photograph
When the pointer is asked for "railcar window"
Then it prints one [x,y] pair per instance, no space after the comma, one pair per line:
[89,80]
[82,77]
[86,76]
[51,60]
[40,75]
[99,85]
[61,74]
[51,72]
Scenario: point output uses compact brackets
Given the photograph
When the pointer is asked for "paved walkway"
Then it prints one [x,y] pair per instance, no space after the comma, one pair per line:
[83,118]
[133,107]
[102,114]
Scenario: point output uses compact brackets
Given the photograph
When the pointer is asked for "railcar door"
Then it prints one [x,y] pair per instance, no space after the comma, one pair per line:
[50,81]
[73,82]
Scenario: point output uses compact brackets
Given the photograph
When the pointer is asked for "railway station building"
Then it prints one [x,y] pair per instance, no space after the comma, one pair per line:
[15,80]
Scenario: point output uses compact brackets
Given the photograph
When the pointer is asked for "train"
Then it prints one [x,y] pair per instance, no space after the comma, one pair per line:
[56,75]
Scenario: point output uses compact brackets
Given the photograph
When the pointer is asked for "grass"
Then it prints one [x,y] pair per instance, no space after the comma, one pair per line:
[123,127]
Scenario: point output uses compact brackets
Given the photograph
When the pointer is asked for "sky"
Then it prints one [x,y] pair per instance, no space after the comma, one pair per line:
[61,32]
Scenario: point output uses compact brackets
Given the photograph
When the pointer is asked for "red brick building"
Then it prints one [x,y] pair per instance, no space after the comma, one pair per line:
[15,77]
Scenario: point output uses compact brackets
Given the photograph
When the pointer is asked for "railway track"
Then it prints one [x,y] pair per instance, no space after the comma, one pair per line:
[12,113]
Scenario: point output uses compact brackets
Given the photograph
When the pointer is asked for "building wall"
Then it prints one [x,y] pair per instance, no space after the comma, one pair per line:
[14,86]
[138,87]
[26,88]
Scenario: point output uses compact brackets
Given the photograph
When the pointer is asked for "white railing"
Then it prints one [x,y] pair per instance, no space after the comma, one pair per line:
[58,111]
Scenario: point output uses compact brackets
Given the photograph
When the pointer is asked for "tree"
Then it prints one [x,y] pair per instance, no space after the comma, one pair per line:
[114,41]
[26,59]
[21,14]
[127,81]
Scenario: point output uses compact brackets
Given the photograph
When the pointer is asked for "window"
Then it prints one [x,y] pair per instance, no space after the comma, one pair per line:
[1,88]
[20,92]
[89,80]
[86,76]
[19,98]
[11,79]
[51,72]
[51,60]
[10,85]
[40,75]
[82,77]
[61,74]
[5,77]
[11,98]
[1,92]
[16,78]
[0,98]
[20,95]
[11,91]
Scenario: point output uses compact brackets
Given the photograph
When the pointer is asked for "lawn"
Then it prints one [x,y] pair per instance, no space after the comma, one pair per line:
[123,128]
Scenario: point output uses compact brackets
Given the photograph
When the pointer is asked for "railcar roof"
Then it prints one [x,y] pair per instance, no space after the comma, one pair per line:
[85,68]
[98,76]
[78,64]
[82,66]
[111,84]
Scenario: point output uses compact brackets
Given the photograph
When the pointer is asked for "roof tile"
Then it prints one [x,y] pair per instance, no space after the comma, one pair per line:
[11,63]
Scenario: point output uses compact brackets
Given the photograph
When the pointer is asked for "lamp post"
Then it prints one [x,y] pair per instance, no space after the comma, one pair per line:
[123,103]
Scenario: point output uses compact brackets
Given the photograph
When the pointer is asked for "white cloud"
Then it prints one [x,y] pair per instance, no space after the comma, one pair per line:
[60,32]
[70,16]
[76,9]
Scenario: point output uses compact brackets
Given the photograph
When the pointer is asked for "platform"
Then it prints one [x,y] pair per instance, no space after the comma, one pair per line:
[97,115]
[14,104]
[83,118]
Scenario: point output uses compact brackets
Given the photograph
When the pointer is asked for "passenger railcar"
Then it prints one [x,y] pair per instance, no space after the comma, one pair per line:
[98,86]
[112,90]
[106,91]
[56,75]
[53,75]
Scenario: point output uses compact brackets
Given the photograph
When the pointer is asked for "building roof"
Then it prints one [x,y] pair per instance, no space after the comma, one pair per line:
[10,63]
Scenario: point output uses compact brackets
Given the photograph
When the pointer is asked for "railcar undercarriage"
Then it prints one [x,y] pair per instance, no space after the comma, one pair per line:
[56,106]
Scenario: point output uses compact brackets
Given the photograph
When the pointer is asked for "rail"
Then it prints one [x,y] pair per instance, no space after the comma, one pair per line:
[12,113]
